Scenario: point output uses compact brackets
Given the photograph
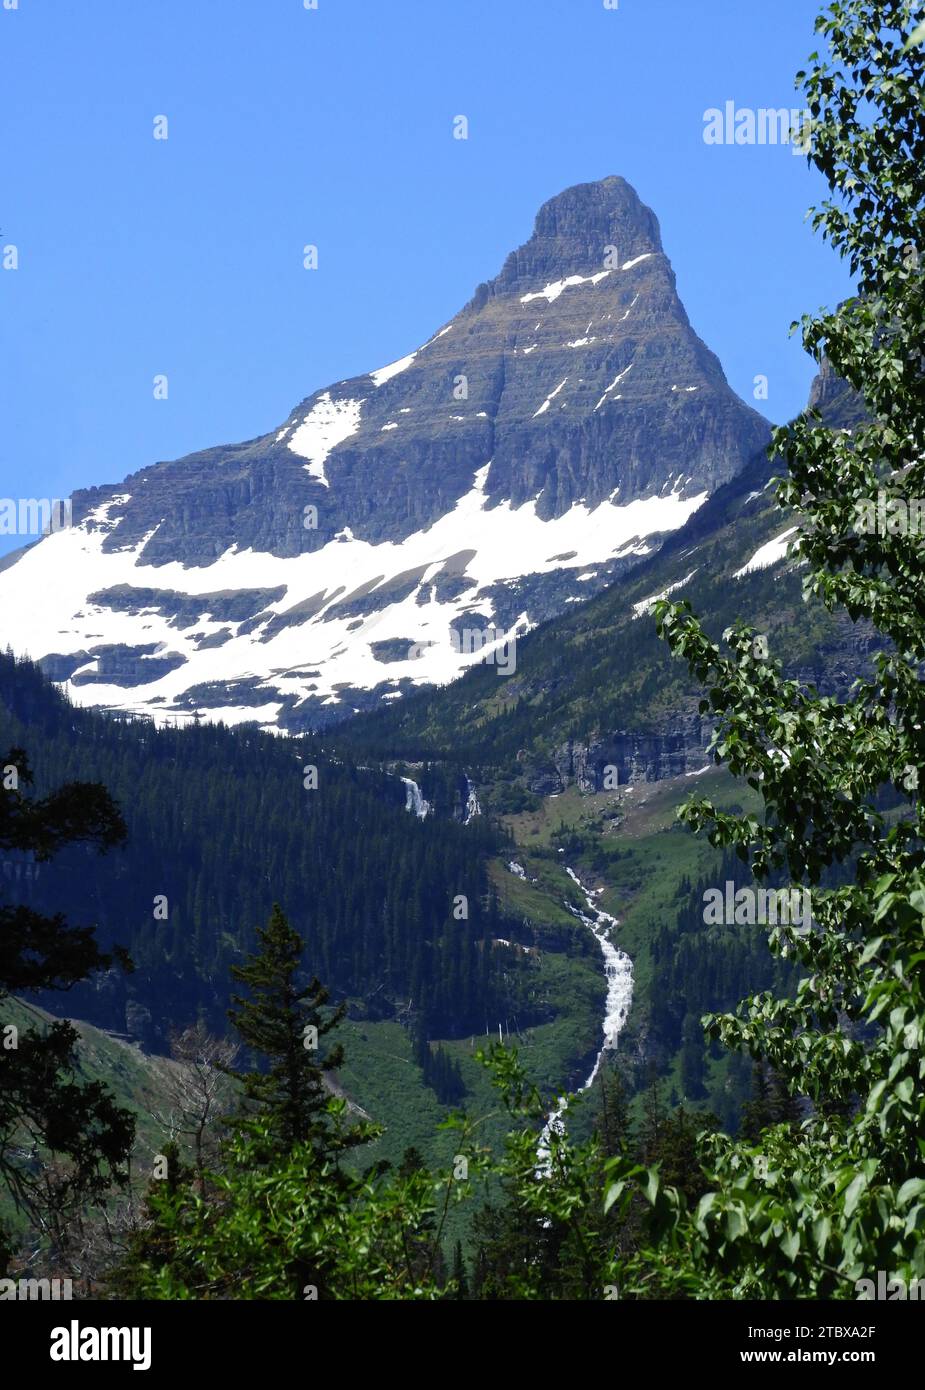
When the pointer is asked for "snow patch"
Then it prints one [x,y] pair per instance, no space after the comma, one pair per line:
[327,424]
[647,603]
[551,292]
[616,382]
[549,399]
[767,554]
[383,374]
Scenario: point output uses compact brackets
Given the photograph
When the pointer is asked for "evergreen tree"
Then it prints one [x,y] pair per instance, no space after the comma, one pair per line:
[758,1112]
[653,1121]
[284,1023]
[284,1225]
[46,1112]
[459,1276]
[613,1126]
[283,1221]
[680,1151]
[692,1057]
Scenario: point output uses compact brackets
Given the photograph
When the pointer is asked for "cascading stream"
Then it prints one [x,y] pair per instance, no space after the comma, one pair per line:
[619,971]
[472,802]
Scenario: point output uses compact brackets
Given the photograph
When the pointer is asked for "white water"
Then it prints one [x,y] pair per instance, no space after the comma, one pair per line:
[472,803]
[619,971]
[414,801]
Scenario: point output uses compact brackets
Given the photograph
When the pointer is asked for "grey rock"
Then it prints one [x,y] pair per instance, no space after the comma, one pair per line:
[592,439]
[125,666]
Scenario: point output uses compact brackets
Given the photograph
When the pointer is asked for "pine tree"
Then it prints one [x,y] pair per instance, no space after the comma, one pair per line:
[692,1057]
[654,1116]
[459,1276]
[613,1128]
[46,1112]
[679,1151]
[758,1111]
[284,1024]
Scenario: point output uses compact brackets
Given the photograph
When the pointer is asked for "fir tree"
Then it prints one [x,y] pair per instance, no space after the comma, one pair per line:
[758,1111]
[613,1127]
[459,1276]
[45,1111]
[284,1023]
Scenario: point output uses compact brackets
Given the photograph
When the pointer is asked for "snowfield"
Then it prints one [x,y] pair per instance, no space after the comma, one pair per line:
[486,544]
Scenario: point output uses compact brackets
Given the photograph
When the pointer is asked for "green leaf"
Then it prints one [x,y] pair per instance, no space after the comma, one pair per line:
[871,949]
[853,1194]
[822,1230]
[704,1207]
[791,1244]
[916,38]
[613,1192]
[735,1223]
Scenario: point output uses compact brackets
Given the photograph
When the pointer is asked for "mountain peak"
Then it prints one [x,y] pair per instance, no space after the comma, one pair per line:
[608,211]
[530,452]
[580,231]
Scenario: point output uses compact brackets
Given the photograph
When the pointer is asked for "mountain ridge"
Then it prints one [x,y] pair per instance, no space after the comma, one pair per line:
[402,525]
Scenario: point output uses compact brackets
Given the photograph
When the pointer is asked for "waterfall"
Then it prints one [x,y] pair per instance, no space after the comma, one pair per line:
[414,801]
[619,971]
[472,803]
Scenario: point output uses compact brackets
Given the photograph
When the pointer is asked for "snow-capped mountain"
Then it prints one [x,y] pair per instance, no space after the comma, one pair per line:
[403,524]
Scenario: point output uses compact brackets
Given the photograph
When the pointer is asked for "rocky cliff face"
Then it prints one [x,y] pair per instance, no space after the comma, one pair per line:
[838,403]
[636,757]
[402,524]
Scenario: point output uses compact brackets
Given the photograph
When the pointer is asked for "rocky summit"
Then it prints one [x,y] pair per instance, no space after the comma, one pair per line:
[401,525]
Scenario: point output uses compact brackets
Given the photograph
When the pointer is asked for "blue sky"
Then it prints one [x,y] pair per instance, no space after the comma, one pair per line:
[333,126]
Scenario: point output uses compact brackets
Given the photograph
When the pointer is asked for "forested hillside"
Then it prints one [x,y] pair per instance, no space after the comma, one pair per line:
[221,825]
[395,909]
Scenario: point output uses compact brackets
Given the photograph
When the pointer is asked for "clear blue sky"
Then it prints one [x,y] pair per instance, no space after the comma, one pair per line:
[290,126]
